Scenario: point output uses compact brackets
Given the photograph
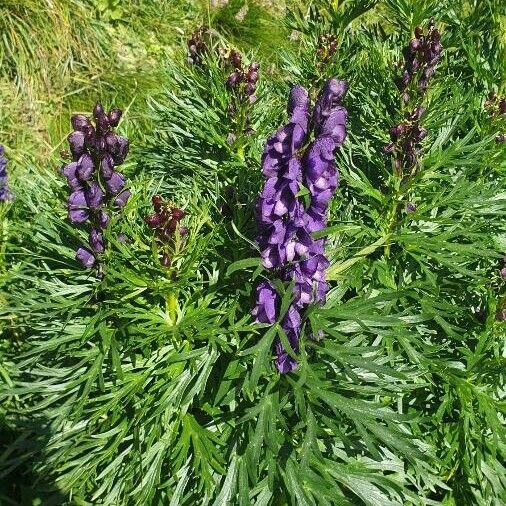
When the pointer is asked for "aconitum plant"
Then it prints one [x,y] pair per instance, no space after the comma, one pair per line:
[285,224]
[98,189]
[5,193]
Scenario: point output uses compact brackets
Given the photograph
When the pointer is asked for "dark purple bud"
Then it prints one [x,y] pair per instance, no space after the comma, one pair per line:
[410,207]
[250,89]
[417,113]
[418,32]
[98,110]
[389,148]
[107,166]
[422,133]
[502,106]
[153,220]
[500,138]
[177,214]
[115,183]
[94,195]
[157,202]
[85,167]
[122,238]
[76,142]
[85,257]
[183,231]
[231,138]
[235,59]
[396,131]
[96,241]
[102,219]
[115,116]
[254,67]
[252,77]
[80,122]
[122,198]
[414,44]
[103,122]
[166,260]
[233,79]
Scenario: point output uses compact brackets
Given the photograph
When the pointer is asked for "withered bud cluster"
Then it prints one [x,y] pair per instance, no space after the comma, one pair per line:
[166,224]
[496,107]
[197,47]
[327,46]
[420,59]
[406,138]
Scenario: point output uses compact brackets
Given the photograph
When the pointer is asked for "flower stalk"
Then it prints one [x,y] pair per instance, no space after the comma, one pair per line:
[285,224]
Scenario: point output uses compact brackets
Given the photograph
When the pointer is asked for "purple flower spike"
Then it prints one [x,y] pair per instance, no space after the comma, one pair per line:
[85,257]
[284,237]
[96,151]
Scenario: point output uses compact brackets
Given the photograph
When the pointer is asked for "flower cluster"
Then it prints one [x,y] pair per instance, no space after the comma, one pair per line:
[421,57]
[406,137]
[242,82]
[327,46]
[5,193]
[97,187]
[165,223]
[197,47]
[284,223]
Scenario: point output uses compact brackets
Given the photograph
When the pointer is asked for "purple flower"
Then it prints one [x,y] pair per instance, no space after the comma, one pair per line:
[76,141]
[115,183]
[329,98]
[267,304]
[122,198]
[85,257]
[94,195]
[96,241]
[85,167]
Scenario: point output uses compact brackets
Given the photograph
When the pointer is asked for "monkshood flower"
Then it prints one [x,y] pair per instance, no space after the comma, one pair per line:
[165,223]
[284,223]
[5,193]
[98,189]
